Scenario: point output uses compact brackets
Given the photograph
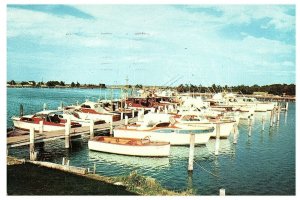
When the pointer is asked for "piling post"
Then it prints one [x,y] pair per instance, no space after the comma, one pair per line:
[41,127]
[31,142]
[63,161]
[21,110]
[45,106]
[92,128]
[132,116]
[222,192]
[139,115]
[126,120]
[286,106]
[217,144]
[61,105]
[122,115]
[67,133]
[191,154]
[111,126]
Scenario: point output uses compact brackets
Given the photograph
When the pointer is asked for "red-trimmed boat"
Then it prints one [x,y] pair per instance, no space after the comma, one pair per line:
[51,121]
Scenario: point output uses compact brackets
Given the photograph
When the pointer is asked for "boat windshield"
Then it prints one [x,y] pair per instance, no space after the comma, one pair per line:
[192,118]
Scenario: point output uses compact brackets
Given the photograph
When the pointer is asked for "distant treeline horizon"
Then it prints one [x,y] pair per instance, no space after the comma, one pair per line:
[275,89]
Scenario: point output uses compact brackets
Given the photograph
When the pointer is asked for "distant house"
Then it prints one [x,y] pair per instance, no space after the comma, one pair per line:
[260,93]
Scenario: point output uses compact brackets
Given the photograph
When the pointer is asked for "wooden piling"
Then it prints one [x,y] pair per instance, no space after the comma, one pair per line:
[217,144]
[21,110]
[126,120]
[286,106]
[122,115]
[31,146]
[191,154]
[111,126]
[67,133]
[132,114]
[41,128]
[45,106]
[92,128]
[222,192]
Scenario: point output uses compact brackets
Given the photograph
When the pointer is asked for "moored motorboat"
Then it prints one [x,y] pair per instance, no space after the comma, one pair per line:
[167,132]
[51,121]
[129,146]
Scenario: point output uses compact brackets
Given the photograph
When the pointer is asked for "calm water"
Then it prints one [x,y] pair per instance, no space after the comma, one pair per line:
[262,164]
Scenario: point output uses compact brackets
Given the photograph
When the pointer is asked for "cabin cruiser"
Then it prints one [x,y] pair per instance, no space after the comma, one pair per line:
[50,119]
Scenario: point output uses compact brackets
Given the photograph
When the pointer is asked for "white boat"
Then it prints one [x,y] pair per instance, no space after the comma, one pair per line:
[165,131]
[51,121]
[74,117]
[192,120]
[129,146]
[96,111]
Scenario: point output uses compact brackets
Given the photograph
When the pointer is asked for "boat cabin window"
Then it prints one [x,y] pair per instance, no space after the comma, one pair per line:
[136,101]
[85,106]
[163,124]
[27,119]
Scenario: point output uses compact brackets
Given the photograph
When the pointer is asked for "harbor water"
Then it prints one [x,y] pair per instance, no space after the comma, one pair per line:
[261,163]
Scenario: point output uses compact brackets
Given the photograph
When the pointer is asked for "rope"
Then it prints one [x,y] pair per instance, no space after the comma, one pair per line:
[207,170]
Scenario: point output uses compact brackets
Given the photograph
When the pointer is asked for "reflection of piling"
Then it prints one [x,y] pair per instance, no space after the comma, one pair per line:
[217,144]
[250,126]
[94,168]
[271,118]
[263,123]
[235,132]
[286,106]
[191,154]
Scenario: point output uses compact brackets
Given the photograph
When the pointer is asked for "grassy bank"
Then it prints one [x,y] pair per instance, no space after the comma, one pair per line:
[29,179]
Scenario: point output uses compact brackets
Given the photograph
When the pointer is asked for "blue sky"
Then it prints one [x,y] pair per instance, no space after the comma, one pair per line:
[152,44]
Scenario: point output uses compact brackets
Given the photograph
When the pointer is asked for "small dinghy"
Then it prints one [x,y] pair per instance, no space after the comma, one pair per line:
[129,146]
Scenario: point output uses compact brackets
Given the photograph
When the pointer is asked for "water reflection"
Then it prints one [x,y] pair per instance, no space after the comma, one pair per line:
[114,159]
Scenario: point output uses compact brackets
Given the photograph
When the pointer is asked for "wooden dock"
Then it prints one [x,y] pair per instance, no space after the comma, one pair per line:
[22,140]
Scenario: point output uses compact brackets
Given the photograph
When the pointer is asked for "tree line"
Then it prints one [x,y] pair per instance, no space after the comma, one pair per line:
[54,84]
[275,89]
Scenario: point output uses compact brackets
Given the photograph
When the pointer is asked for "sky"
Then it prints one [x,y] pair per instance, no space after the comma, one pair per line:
[152,44]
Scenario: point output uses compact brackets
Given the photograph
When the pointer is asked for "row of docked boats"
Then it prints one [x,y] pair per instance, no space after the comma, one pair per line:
[164,121]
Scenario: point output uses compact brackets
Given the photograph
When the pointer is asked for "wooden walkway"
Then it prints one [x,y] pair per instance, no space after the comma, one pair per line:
[22,140]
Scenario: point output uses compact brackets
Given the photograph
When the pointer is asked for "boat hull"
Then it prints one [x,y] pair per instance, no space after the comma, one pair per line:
[28,125]
[173,138]
[131,150]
